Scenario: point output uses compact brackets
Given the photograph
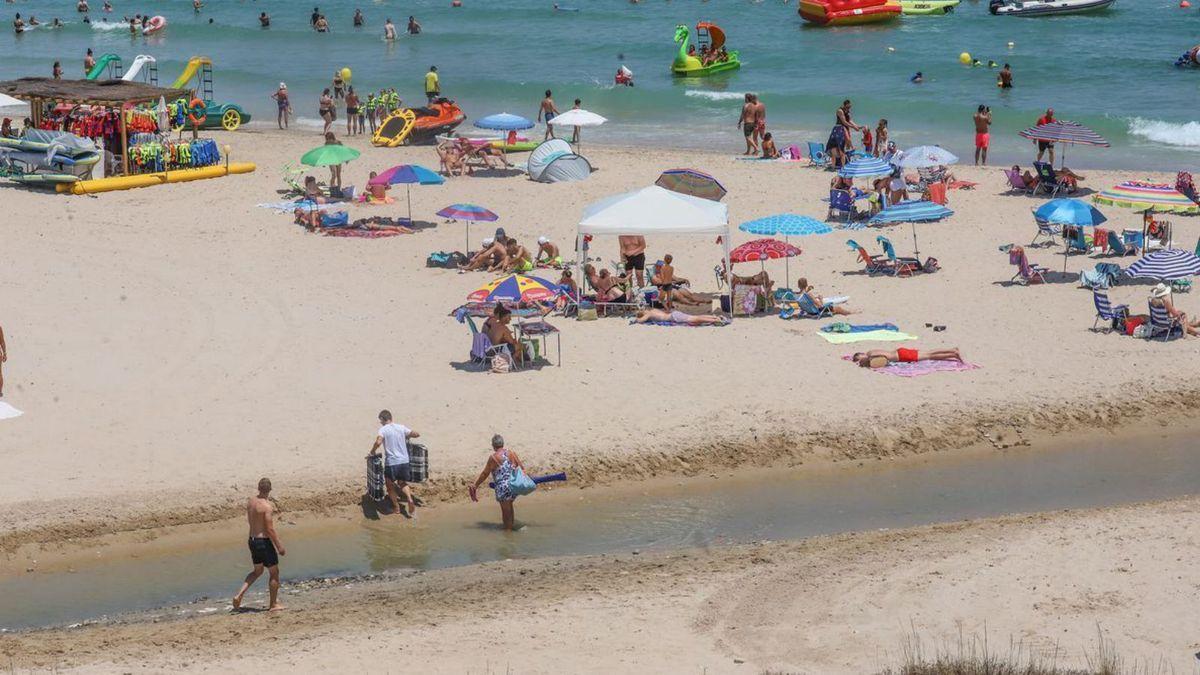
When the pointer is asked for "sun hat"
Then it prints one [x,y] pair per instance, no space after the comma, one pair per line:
[489,241]
[543,240]
[1160,291]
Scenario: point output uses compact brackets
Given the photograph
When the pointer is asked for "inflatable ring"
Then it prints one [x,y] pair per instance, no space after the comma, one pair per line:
[197,112]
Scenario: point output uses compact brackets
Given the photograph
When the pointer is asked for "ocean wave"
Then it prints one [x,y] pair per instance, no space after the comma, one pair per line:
[110,25]
[1185,135]
[715,95]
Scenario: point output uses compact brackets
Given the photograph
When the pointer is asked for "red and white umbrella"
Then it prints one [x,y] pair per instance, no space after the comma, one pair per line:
[761,250]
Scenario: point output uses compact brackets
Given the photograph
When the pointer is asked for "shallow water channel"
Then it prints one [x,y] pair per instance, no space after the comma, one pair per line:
[751,506]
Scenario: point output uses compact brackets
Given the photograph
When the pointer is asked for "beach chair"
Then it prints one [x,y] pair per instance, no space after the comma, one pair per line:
[1075,239]
[1163,324]
[291,177]
[1048,182]
[816,155]
[482,349]
[1027,272]
[1017,183]
[603,308]
[1047,230]
[901,267]
[1118,247]
[792,306]
[841,206]
[874,264]
[1106,312]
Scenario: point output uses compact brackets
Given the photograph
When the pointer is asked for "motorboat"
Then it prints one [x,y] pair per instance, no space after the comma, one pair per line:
[1047,7]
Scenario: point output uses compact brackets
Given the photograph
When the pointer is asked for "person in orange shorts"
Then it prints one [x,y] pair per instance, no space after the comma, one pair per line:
[880,358]
[983,137]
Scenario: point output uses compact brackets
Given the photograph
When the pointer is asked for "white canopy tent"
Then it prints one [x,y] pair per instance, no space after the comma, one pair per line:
[12,107]
[652,211]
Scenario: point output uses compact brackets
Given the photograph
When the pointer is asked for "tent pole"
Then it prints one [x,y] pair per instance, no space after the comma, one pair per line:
[579,282]
[466,250]
[408,194]
[728,271]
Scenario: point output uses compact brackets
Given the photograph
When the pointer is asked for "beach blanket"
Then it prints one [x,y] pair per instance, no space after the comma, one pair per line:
[8,412]
[366,198]
[361,234]
[961,185]
[885,335]
[672,323]
[921,367]
[843,327]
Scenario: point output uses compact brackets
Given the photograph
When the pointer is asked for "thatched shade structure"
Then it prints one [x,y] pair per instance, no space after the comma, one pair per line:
[119,94]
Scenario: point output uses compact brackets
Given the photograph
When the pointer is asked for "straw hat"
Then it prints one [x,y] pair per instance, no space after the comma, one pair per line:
[1160,291]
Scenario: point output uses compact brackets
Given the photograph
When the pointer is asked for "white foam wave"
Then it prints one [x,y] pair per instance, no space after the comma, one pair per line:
[110,25]
[1186,135]
[715,95]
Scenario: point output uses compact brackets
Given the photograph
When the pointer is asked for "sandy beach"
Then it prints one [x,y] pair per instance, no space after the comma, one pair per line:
[1049,587]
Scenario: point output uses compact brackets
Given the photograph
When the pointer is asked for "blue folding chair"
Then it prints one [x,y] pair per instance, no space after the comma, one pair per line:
[841,206]
[1118,247]
[816,155]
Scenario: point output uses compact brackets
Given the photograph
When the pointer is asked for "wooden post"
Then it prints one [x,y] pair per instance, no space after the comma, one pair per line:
[124,140]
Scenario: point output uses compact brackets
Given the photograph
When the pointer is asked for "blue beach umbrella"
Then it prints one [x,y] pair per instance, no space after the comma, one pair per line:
[911,212]
[1069,212]
[408,174]
[866,167]
[788,225]
[1166,265]
[504,122]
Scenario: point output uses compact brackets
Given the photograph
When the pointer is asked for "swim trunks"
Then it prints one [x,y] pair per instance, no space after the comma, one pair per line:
[636,262]
[907,355]
[549,116]
[398,473]
[680,317]
[262,552]
[982,140]
[748,129]
[1045,145]
[524,266]
[351,111]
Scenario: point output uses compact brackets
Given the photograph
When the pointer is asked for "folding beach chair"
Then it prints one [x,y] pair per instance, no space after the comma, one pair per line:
[1017,183]
[841,206]
[1048,182]
[816,155]
[874,264]
[1163,324]
[1027,272]
[1118,247]
[291,177]
[1106,312]
[1047,230]
[482,349]
[1076,240]
[901,267]
[792,306]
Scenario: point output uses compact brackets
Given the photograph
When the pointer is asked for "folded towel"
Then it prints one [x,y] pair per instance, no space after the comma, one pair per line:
[8,412]
[867,336]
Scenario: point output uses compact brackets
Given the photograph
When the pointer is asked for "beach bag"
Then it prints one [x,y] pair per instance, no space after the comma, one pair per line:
[376,487]
[1134,323]
[931,265]
[500,364]
[418,463]
[437,259]
[521,484]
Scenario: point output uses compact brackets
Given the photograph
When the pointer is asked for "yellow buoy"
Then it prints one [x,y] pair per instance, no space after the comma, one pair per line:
[965,58]
[346,75]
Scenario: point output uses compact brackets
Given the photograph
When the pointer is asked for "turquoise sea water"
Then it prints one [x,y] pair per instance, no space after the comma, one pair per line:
[1112,71]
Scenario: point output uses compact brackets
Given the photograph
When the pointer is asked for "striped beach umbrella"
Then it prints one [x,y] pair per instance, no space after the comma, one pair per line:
[1062,131]
[911,212]
[514,288]
[786,224]
[1069,212]
[468,213]
[692,182]
[408,174]
[1139,195]
[866,167]
[1166,265]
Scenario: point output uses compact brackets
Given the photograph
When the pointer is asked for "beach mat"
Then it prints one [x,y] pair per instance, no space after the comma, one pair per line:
[361,234]
[921,367]
[8,412]
[672,323]
[884,335]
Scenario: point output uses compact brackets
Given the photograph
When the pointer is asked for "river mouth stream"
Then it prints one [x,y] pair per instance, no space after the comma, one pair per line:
[781,504]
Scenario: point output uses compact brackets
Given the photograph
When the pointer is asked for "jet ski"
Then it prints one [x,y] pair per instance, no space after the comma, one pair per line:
[418,125]
[1047,7]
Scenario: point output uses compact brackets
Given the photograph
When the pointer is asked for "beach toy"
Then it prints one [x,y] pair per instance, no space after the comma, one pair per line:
[848,12]
[1184,4]
[156,23]
[965,58]
[711,38]
[346,75]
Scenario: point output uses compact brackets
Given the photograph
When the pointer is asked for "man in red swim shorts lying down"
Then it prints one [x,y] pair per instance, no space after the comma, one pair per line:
[879,358]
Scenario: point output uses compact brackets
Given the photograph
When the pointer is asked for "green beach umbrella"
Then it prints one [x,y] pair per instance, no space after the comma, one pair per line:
[329,155]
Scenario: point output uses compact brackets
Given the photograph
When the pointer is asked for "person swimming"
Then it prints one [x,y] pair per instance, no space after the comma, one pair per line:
[917,78]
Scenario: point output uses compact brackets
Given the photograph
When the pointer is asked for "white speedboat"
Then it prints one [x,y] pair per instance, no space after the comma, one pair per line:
[1047,7]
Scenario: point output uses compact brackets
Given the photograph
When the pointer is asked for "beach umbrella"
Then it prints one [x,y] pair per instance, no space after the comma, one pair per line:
[578,117]
[926,157]
[468,213]
[1139,195]
[763,250]
[788,225]
[504,122]
[1069,212]
[1061,131]
[912,212]
[1166,265]
[514,288]
[408,174]
[329,155]
[692,182]
[865,167]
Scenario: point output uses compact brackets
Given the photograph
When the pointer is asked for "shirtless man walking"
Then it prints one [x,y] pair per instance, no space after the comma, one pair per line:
[746,122]
[265,546]
[983,127]
[760,122]
[548,110]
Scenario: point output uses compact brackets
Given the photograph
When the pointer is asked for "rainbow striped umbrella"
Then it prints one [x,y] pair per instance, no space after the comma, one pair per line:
[468,212]
[514,288]
[1139,195]
[692,182]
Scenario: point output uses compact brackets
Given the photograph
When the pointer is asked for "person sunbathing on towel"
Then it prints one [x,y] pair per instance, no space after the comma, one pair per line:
[803,287]
[311,219]
[497,330]
[519,261]
[881,358]
[490,255]
[649,315]
[550,250]
[607,286]
[380,224]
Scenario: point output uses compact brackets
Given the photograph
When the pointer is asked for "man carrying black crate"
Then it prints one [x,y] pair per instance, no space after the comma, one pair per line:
[394,439]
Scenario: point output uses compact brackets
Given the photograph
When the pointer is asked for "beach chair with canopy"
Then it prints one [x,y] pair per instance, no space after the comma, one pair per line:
[1105,311]
[900,266]
[874,264]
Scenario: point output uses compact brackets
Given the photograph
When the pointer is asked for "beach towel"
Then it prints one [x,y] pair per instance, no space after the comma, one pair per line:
[884,335]
[361,234]
[961,185]
[8,412]
[843,327]
[288,207]
[921,367]
[672,323]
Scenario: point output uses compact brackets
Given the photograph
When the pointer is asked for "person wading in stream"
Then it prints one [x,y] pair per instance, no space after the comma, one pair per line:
[265,546]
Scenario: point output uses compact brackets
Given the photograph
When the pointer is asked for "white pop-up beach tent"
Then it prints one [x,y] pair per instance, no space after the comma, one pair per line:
[651,212]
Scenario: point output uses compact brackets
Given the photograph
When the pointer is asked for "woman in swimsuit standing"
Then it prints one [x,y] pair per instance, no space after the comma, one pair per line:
[501,465]
[325,110]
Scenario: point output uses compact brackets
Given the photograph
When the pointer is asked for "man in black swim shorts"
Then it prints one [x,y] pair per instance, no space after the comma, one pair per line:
[265,546]
[633,253]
